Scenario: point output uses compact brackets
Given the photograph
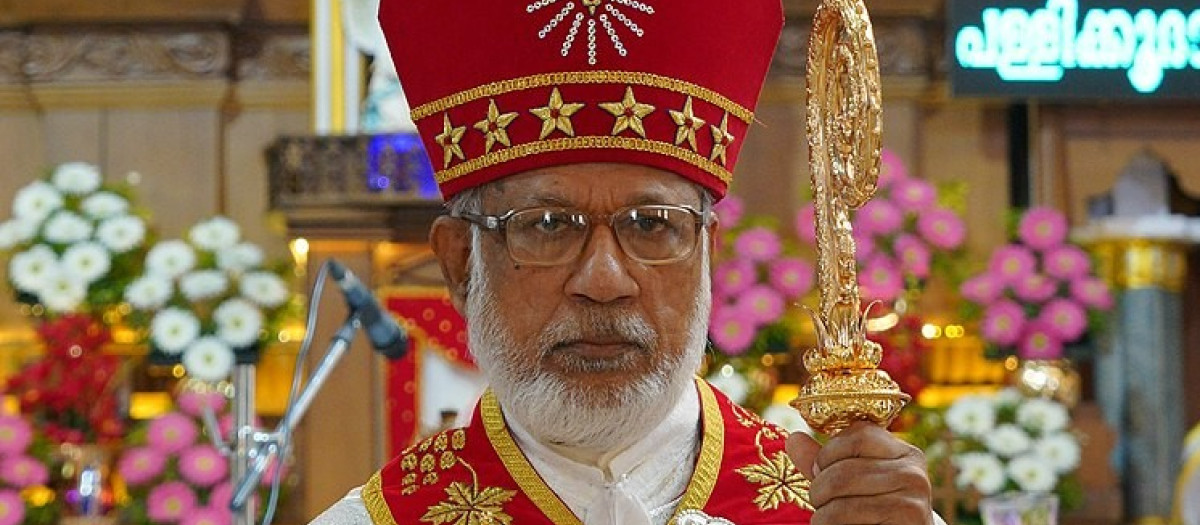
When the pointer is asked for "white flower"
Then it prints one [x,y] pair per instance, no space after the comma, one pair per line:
[1042,415]
[240,258]
[217,233]
[208,359]
[149,292]
[731,383]
[121,233]
[36,201]
[971,416]
[787,417]
[32,268]
[67,227]
[173,329]
[104,204]
[1008,397]
[86,261]
[76,177]
[980,470]
[1007,440]
[16,231]
[62,292]
[170,259]
[1060,451]
[1032,474]
[264,288]
[238,322]
[203,284]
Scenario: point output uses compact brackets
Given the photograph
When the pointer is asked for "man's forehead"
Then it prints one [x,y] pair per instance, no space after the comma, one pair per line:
[576,184]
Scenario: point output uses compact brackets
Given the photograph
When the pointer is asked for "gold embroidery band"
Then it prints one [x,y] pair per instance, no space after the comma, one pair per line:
[712,450]
[377,507]
[591,142]
[582,77]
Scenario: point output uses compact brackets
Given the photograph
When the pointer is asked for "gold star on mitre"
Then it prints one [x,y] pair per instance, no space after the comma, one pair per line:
[493,127]
[449,139]
[688,124]
[721,139]
[629,113]
[556,115]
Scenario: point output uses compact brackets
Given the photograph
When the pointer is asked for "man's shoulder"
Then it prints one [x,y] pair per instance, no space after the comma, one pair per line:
[349,510]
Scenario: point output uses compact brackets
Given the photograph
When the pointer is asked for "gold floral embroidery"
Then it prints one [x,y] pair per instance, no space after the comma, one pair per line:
[495,126]
[688,124]
[440,442]
[556,115]
[470,505]
[430,478]
[409,462]
[459,439]
[778,478]
[428,462]
[721,140]
[629,113]
[409,478]
[449,139]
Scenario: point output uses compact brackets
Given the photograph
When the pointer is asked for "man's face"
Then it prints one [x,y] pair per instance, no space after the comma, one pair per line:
[603,330]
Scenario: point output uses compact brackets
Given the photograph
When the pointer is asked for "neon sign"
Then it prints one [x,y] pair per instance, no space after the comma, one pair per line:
[1059,48]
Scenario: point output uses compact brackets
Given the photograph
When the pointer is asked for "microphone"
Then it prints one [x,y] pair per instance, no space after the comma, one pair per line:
[385,334]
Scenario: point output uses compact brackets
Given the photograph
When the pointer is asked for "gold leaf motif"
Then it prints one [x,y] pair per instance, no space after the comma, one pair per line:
[688,124]
[458,440]
[409,478]
[495,127]
[449,139]
[428,462]
[556,115]
[423,446]
[430,478]
[780,482]
[447,460]
[409,490]
[440,443]
[409,462]
[721,140]
[467,505]
[629,113]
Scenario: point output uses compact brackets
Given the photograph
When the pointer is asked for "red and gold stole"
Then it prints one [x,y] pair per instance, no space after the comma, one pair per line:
[478,474]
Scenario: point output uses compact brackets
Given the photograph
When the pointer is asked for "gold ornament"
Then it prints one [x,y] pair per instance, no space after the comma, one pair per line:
[629,113]
[556,115]
[844,138]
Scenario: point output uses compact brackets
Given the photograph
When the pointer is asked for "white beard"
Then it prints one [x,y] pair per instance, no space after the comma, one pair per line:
[554,410]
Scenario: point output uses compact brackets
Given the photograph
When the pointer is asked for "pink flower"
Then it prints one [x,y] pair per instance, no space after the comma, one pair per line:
[12,508]
[1042,228]
[757,244]
[1092,292]
[1066,262]
[203,465]
[942,228]
[732,330]
[864,245]
[1065,318]
[1039,343]
[879,217]
[1011,263]
[1003,322]
[880,279]
[762,303]
[210,515]
[23,471]
[171,433]
[140,465]
[729,211]
[192,402]
[806,224]
[913,195]
[982,289]
[221,495]
[733,277]
[15,434]
[170,502]
[891,168]
[913,254]
[1035,288]
[791,276]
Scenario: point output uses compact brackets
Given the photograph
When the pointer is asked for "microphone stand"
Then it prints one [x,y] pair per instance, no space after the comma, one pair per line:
[254,449]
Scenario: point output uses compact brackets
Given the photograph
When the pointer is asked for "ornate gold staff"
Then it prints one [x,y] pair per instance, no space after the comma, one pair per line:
[844,139]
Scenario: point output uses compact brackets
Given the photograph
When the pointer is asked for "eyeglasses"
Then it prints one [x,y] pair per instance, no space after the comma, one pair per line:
[652,234]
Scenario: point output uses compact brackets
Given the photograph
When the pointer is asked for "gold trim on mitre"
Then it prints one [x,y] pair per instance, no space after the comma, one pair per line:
[582,77]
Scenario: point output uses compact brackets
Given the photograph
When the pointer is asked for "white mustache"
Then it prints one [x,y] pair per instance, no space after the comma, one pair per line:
[598,324]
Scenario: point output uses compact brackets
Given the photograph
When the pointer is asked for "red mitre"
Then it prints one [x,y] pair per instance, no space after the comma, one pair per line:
[499,87]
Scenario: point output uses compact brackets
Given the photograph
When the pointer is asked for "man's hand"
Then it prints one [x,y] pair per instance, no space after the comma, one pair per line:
[864,475]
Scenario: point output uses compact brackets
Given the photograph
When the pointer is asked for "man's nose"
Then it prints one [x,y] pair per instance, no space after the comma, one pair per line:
[601,273]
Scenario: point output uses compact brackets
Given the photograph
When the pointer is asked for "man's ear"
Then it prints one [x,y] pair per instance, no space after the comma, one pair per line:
[450,239]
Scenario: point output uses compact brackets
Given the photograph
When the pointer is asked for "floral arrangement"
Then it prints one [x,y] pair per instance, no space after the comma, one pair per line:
[23,470]
[70,393]
[174,474]
[1039,293]
[75,242]
[757,273]
[901,235]
[1006,442]
[209,302]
